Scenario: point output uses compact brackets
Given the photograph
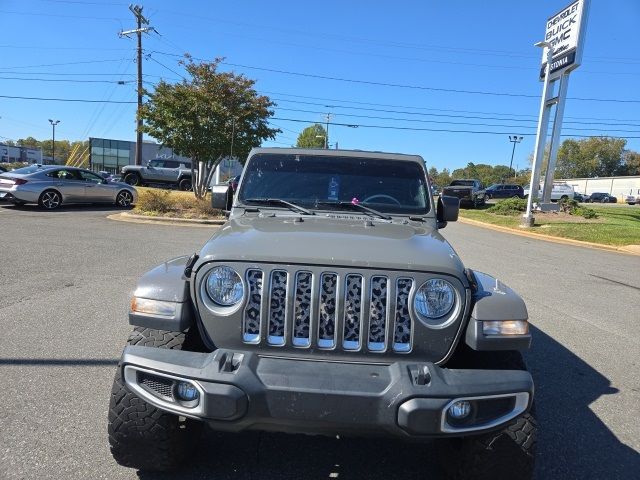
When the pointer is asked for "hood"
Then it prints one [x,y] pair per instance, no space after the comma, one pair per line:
[324,240]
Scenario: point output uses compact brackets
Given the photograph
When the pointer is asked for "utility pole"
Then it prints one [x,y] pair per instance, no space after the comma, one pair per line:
[53,141]
[140,19]
[326,137]
[513,139]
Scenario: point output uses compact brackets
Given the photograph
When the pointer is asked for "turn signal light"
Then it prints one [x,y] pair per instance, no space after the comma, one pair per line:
[505,327]
[153,307]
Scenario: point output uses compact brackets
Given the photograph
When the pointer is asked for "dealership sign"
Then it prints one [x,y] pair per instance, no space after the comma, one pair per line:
[565,32]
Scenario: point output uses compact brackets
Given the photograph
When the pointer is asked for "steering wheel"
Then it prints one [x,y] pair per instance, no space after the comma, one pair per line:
[382,195]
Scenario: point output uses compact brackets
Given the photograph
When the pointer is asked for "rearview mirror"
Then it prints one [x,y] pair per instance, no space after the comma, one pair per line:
[447,210]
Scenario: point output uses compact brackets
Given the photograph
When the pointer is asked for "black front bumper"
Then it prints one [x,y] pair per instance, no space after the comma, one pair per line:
[242,390]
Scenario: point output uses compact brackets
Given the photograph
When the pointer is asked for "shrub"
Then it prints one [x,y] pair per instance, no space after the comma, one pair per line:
[155,200]
[572,207]
[509,206]
[585,212]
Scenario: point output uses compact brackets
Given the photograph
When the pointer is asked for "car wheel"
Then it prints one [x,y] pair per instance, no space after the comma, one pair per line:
[516,196]
[142,436]
[185,184]
[124,199]
[50,200]
[133,179]
[604,200]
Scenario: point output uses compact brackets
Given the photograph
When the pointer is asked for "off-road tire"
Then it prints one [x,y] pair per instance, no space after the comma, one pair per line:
[142,436]
[506,453]
[132,178]
[185,184]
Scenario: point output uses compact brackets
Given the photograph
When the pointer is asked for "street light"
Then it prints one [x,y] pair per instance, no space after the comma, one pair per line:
[513,139]
[53,142]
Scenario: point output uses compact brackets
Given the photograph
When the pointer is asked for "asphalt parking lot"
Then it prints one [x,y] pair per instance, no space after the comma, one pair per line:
[65,282]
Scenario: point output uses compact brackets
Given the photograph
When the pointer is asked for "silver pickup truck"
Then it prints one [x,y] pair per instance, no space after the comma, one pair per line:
[159,171]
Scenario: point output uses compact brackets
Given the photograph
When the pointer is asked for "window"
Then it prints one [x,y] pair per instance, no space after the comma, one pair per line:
[90,177]
[157,163]
[170,164]
[392,186]
[63,175]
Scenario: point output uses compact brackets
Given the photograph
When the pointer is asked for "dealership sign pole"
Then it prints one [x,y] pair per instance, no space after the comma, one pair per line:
[563,45]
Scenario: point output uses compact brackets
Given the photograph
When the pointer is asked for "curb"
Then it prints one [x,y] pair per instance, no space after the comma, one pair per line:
[192,222]
[627,249]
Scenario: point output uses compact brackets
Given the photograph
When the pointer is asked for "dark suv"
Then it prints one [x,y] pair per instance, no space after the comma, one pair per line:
[504,191]
[600,197]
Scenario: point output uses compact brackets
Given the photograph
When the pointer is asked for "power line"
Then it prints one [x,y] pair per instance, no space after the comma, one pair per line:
[64,64]
[398,85]
[47,99]
[424,129]
[67,80]
[424,114]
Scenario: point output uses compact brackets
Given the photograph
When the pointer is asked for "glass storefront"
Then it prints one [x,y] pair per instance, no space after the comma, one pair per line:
[109,155]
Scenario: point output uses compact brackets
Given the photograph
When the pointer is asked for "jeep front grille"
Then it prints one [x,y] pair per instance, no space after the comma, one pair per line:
[328,310]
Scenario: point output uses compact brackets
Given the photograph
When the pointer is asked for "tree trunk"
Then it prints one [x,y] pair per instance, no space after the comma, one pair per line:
[203,176]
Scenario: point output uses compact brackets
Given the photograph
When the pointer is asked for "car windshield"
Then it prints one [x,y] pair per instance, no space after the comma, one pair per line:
[27,170]
[320,182]
[462,183]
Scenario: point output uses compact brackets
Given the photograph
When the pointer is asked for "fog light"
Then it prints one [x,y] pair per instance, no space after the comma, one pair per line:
[460,409]
[505,327]
[187,392]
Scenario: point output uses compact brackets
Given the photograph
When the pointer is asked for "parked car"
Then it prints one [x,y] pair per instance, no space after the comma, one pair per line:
[632,199]
[601,197]
[580,197]
[504,191]
[470,192]
[336,307]
[560,191]
[173,173]
[51,186]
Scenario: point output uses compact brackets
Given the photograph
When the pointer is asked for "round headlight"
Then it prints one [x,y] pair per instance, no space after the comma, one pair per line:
[435,298]
[224,286]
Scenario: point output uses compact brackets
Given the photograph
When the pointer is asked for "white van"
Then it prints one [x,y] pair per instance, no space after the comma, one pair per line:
[560,190]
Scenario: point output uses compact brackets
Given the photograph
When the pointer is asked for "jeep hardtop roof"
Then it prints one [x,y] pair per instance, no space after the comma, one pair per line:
[338,153]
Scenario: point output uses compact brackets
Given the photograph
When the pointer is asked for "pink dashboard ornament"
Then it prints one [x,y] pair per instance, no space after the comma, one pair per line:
[355,201]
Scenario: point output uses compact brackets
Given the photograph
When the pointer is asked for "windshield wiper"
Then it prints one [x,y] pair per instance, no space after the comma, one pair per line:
[279,202]
[355,206]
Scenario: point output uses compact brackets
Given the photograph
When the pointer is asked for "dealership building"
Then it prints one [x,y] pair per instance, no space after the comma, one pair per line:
[12,154]
[109,155]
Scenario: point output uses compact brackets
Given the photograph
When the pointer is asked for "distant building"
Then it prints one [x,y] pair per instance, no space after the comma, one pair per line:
[111,155]
[617,186]
[12,154]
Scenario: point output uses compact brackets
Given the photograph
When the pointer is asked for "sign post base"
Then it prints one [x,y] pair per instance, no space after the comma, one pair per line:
[528,221]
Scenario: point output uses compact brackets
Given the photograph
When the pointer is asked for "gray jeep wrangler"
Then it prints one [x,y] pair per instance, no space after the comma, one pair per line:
[159,171]
[329,303]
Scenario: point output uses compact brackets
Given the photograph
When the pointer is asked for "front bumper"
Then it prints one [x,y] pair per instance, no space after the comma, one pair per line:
[241,390]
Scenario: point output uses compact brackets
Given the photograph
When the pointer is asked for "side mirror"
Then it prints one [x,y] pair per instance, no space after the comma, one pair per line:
[447,210]
[219,197]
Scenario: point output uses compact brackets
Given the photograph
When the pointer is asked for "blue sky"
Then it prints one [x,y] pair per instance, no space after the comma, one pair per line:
[445,44]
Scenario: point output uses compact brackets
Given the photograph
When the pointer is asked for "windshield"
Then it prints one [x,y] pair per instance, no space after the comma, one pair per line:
[463,183]
[313,181]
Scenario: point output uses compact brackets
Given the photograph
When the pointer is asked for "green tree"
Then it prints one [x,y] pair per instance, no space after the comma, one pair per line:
[631,161]
[591,157]
[207,117]
[313,137]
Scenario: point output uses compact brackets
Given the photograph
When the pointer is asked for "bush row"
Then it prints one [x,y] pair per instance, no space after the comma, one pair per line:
[168,203]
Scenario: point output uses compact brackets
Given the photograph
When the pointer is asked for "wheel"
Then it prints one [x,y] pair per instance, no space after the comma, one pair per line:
[133,179]
[185,184]
[564,198]
[140,435]
[505,453]
[124,199]
[516,196]
[50,200]
[383,197]
[604,200]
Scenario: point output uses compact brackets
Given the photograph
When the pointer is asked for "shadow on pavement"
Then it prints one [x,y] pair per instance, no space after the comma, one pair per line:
[271,456]
[54,362]
[573,441]
[88,207]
